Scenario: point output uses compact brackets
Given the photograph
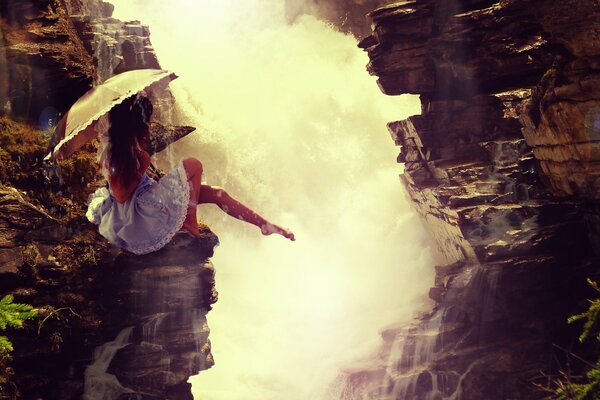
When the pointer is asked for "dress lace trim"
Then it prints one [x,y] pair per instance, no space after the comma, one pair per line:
[95,202]
[169,231]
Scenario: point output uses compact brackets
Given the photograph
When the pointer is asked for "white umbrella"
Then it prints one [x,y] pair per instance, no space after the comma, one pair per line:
[78,126]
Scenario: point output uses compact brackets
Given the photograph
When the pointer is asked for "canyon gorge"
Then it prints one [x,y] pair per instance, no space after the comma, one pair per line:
[502,165]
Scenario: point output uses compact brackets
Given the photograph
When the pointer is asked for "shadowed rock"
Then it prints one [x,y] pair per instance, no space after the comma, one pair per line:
[161,136]
[165,297]
[508,129]
[89,294]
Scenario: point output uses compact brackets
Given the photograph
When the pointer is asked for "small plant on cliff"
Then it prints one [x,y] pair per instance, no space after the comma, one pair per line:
[59,315]
[590,388]
[12,315]
[590,316]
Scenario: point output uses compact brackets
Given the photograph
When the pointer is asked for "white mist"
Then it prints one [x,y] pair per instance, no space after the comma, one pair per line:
[290,122]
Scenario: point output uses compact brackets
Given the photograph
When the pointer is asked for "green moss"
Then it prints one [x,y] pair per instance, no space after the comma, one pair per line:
[82,250]
[62,187]
[21,153]
[79,173]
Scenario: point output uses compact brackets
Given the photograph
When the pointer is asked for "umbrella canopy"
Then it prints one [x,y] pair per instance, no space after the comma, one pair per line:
[78,126]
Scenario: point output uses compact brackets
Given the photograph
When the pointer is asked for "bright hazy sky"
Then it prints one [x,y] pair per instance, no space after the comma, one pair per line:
[290,122]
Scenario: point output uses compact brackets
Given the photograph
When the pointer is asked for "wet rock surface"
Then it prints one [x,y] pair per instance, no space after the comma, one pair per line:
[115,46]
[502,166]
[111,325]
[87,293]
[44,66]
[163,297]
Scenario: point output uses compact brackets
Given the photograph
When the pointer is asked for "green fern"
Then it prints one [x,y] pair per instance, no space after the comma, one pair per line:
[5,346]
[12,315]
[581,391]
[590,390]
[590,316]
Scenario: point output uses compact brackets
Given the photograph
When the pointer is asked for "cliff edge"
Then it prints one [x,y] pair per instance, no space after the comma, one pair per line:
[110,325]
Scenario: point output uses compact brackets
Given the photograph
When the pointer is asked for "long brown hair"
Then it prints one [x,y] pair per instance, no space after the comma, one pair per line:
[130,122]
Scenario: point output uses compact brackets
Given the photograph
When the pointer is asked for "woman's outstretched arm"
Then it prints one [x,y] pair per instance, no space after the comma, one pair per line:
[218,196]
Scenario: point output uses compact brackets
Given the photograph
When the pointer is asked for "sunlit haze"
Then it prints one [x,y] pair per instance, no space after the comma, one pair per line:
[290,123]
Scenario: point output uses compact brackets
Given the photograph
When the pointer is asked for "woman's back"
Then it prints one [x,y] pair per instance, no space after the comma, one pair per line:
[122,192]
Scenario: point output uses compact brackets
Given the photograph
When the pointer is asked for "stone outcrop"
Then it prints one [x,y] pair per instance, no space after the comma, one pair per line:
[52,51]
[111,325]
[115,46]
[502,165]
[163,299]
[87,293]
[44,66]
[161,136]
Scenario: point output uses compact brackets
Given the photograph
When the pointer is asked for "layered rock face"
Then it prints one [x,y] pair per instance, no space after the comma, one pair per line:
[162,300]
[115,46]
[51,52]
[503,167]
[44,66]
[111,325]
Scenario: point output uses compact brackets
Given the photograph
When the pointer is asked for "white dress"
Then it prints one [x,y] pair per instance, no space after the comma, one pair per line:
[149,219]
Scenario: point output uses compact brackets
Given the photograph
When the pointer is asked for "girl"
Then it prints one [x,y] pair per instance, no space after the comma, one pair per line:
[140,214]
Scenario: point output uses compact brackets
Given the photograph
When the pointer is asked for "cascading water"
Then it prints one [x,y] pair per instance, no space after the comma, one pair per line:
[165,297]
[290,123]
[100,385]
[150,328]
[410,356]
[162,302]
[409,373]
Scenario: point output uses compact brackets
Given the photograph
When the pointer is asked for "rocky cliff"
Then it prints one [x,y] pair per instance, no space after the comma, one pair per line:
[503,167]
[110,325]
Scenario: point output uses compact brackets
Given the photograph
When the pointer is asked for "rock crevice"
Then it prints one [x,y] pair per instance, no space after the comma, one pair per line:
[502,166]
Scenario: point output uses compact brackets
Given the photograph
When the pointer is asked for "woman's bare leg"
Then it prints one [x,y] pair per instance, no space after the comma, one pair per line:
[215,195]
[193,169]
[218,196]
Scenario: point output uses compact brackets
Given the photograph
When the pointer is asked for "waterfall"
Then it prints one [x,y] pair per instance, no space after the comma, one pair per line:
[290,124]
[151,327]
[100,385]
[456,395]
[166,303]
[409,359]
[409,375]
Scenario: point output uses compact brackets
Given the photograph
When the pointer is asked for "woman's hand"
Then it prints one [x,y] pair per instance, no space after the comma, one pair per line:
[154,172]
